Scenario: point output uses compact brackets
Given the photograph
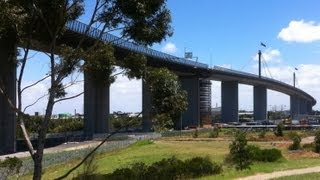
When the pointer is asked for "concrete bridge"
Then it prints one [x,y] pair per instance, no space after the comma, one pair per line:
[195,79]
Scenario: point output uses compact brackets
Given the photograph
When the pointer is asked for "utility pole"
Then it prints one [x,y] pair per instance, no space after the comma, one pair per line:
[259,54]
[294,76]
[294,79]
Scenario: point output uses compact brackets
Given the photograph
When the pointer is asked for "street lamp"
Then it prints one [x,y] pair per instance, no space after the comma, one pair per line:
[294,77]
[259,58]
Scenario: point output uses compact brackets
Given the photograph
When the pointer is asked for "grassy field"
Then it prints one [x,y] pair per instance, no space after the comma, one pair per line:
[310,176]
[150,152]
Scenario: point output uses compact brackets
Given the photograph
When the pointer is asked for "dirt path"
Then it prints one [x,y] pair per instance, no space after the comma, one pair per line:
[277,174]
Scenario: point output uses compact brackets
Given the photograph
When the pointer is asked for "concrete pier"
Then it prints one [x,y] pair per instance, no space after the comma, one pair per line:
[96,107]
[259,103]
[8,83]
[146,108]
[229,101]
[294,106]
[191,117]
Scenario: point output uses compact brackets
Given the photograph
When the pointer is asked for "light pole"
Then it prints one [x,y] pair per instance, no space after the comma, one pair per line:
[259,57]
[294,77]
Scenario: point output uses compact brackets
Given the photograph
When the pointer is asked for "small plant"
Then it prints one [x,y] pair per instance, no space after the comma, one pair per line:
[239,153]
[317,142]
[89,168]
[195,133]
[270,155]
[171,168]
[199,166]
[13,164]
[296,139]
[279,130]
[264,155]
[214,133]
[262,134]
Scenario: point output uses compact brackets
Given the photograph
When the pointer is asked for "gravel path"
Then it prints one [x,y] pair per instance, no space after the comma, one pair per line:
[277,174]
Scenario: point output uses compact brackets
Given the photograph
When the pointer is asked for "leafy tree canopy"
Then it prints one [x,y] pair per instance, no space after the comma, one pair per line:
[168,99]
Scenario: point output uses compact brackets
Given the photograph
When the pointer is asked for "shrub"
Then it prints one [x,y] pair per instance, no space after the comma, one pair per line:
[309,146]
[262,134]
[13,164]
[270,155]
[195,133]
[317,141]
[214,133]
[239,153]
[296,139]
[254,152]
[171,168]
[199,166]
[279,130]
[264,155]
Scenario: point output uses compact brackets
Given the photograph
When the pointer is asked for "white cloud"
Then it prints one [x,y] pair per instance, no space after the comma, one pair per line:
[307,78]
[270,55]
[301,31]
[125,95]
[169,48]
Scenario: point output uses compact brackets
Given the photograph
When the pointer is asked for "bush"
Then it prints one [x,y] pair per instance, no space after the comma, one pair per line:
[254,152]
[317,142]
[264,155]
[200,166]
[270,155]
[195,133]
[239,154]
[262,134]
[296,139]
[214,133]
[171,168]
[13,164]
[279,130]
[309,146]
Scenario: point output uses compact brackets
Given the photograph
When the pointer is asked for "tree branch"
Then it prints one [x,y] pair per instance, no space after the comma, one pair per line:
[34,102]
[67,98]
[31,85]
[91,152]
[87,156]
[118,73]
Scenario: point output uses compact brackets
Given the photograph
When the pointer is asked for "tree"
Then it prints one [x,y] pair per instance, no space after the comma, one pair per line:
[168,99]
[296,139]
[317,141]
[239,152]
[279,130]
[43,22]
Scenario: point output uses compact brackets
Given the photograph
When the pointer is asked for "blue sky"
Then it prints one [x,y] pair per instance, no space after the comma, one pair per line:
[226,33]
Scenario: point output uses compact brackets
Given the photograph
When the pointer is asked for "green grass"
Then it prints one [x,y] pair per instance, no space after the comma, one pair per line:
[152,151]
[309,176]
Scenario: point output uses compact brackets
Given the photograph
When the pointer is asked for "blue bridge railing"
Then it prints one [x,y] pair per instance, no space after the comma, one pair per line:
[80,27]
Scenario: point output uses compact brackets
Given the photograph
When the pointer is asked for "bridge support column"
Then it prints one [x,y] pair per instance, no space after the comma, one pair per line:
[191,117]
[303,106]
[294,106]
[8,83]
[309,108]
[96,107]
[229,101]
[259,103]
[205,102]
[146,108]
